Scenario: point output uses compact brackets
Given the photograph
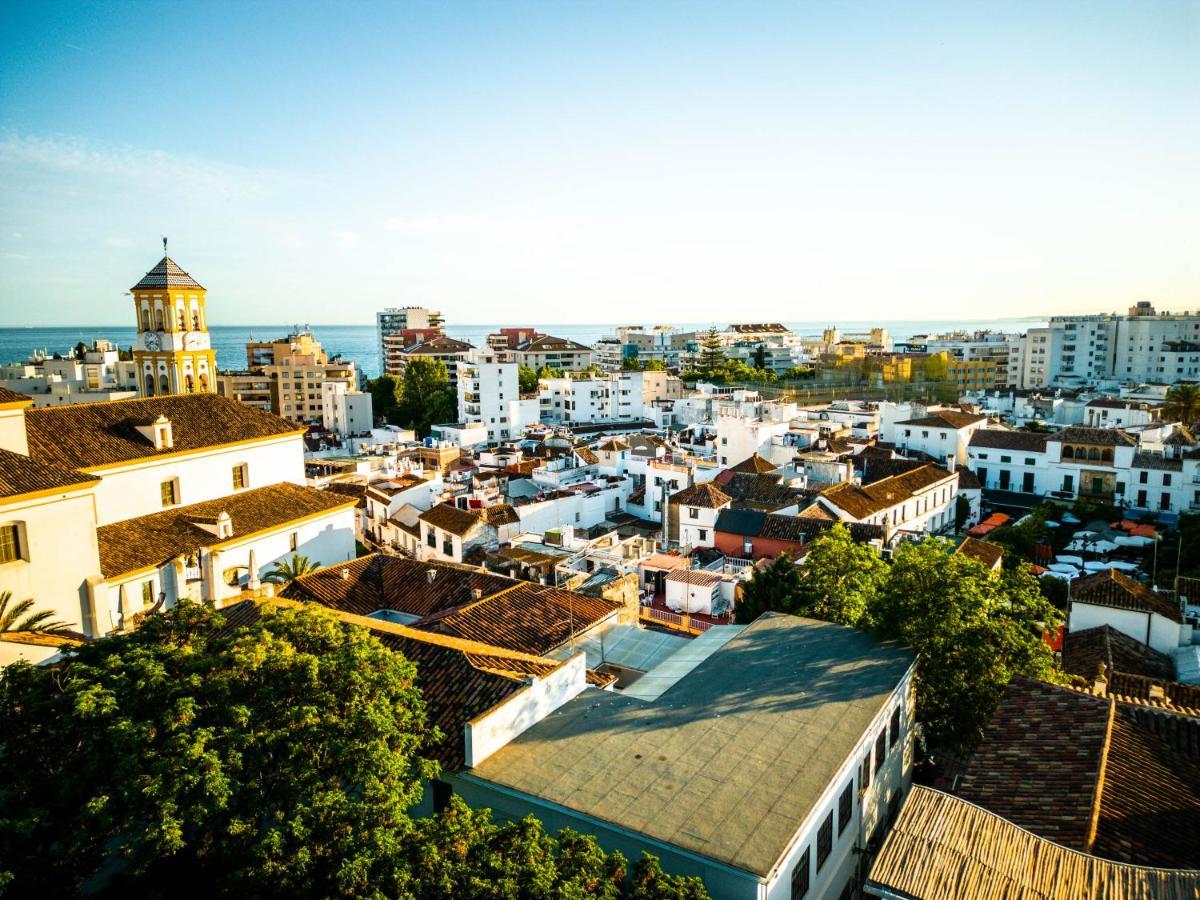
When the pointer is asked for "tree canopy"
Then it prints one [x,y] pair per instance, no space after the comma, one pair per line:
[426,398]
[280,758]
[972,630]
[1182,404]
[527,379]
[385,397]
[257,761]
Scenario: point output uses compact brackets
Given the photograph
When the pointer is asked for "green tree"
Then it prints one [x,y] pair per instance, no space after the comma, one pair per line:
[760,356]
[1183,404]
[712,352]
[549,372]
[287,570]
[527,379]
[840,579]
[20,617]
[278,759]
[972,632]
[385,397]
[426,397]
[654,365]
[461,853]
[774,588]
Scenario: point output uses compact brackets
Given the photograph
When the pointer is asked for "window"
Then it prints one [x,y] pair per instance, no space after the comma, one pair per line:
[800,876]
[239,477]
[693,513]
[11,545]
[447,546]
[703,534]
[147,593]
[845,806]
[894,728]
[824,841]
[441,794]
[294,541]
[1143,477]
[169,492]
[1166,479]
[865,780]
[880,750]
[431,539]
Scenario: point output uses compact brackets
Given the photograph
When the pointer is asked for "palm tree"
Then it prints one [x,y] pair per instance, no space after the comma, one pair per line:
[1183,404]
[11,620]
[285,571]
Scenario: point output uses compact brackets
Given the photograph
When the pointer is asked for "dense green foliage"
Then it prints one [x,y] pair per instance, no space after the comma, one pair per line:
[385,397]
[972,630]
[712,352]
[279,759]
[633,364]
[461,853]
[527,379]
[252,762]
[426,398]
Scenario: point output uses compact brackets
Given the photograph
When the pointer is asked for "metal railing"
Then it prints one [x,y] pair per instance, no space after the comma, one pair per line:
[677,621]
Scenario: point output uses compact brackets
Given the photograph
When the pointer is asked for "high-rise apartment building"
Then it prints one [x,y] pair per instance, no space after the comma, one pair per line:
[400,327]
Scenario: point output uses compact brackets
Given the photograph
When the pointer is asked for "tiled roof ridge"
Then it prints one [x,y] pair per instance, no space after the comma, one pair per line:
[474,602]
[1098,787]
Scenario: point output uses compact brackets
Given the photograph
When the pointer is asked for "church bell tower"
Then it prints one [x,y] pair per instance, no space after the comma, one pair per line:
[173,352]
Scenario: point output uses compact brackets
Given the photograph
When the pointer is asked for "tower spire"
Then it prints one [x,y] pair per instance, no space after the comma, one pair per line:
[164,237]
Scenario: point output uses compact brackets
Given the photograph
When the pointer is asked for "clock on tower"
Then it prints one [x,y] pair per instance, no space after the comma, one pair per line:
[173,352]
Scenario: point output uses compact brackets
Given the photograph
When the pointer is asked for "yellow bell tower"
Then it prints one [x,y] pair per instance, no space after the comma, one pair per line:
[173,352]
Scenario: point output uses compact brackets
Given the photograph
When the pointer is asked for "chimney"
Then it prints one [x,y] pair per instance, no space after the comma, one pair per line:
[477,593]
[1157,693]
[345,573]
[430,575]
[1100,685]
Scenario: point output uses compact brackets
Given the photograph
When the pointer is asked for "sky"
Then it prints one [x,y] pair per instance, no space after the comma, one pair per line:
[601,161]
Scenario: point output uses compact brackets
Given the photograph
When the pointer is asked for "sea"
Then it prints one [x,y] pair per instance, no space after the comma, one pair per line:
[359,342]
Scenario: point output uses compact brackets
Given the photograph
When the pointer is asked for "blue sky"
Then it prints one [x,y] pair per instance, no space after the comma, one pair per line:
[584,162]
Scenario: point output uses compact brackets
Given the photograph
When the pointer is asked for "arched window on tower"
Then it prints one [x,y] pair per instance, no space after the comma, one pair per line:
[149,384]
[195,319]
[164,386]
[204,382]
[145,319]
[191,386]
[180,318]
[158,318]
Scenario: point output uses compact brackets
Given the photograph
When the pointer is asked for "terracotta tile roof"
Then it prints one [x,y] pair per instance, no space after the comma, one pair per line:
[861,501]
[1082,434]
[754,463]
[1181,436]
[943,847]
[397,583]
[351,490]
[545,343]
[1156,461]
[8,398]
[21,475]
[1119,591]
[438,346]
[946,419]
[461,522]
[1093,774]
[878,469]
[166,273]
[159,537]
[761,491]
[1003,439]
[526,617]
[87,435]
[587,456]
[699,577]
[613,445]
[1038,762]
[706,496]
[986,553]
[1116,403]
[1084,651]
[967,480]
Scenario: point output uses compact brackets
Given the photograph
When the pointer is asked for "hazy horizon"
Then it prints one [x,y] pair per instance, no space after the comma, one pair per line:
[532,162]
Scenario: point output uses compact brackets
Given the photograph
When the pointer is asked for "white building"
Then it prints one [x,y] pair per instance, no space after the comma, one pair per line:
[489,393]
[118,508]
[98,375]
[1143,345]
[694,512]
[942,435]
[918,502]
[1114,599]
[610,397]
[346,411]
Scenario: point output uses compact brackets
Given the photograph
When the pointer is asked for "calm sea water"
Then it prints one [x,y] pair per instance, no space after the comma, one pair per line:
[358,342]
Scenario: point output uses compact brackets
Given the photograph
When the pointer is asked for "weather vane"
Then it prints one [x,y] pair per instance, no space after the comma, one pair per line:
[164,245]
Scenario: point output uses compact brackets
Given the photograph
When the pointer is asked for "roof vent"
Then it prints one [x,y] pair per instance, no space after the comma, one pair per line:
[345,573]
[477,593]
[430,575]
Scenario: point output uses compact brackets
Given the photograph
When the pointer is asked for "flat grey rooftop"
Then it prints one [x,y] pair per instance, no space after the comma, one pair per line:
[679,664]
[624,645]
[729,761]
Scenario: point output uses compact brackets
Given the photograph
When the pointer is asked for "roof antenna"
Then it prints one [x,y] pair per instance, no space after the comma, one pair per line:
[164,237]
